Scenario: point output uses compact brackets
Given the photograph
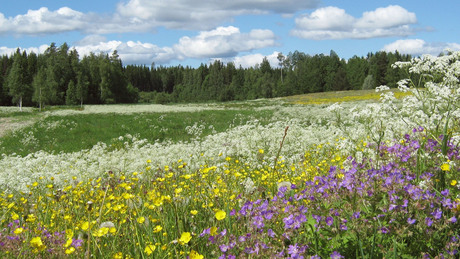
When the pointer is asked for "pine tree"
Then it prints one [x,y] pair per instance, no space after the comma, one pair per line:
[71,97]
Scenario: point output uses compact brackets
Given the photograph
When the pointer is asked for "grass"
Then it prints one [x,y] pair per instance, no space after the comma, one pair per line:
[341,96]
[77,132]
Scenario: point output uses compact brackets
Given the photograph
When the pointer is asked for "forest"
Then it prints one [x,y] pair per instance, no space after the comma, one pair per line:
[60,77]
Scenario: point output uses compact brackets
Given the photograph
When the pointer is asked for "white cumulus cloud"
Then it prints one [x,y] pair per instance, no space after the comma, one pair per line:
[418,47]
[207,14]
[335,23]
[222,42]
[43,21]
[251,60]
[10,51]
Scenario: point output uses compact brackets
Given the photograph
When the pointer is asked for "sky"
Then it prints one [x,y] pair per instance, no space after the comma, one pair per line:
[192,32]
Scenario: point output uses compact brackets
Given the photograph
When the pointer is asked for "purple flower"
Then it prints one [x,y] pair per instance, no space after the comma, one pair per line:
[329,220]
[392,207]
[258,222]
[295,251]
[317,218]
[437,214]
[445,192]
[205,231]
[452,220]
[223,248]
[428,221]
[77,243]
[271,233]
[384,230]
[356,215]
[336,255]
[288,221]
[411,221]
[315,257]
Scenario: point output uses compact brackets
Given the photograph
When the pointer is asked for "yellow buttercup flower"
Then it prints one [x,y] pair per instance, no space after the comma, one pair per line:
[149,249]
[185,238]
[445,167]
[213,231]
[195,255]
[157,229]
[37,243]
[453,182]
[18,231]
[70,250]
[140,220]
[68,242]
[85,226]
[194,212]
[220,215]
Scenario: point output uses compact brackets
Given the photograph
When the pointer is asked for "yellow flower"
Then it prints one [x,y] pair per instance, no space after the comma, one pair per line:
[37,243]
[70,250]
[149,249]
[195,255]
[69,233]
[18,231]
[118,255]
[220,215]
[85,226]
[194,212]
[101,232]
[68,242]
[453,182]
[140,220]
[185,238]
[157,229]
[213,231]
[14,216]
[445,167]
[261,151]
[112,230]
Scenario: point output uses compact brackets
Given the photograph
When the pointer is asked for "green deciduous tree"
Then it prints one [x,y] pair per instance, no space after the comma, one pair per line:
[17,82]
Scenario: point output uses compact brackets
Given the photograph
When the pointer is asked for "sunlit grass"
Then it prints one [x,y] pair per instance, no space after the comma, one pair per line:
[342,96]
[75,132]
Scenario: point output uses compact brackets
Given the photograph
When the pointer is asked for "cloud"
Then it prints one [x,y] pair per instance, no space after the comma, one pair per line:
[418,47]
[10,51]
[207,14]
[222,42]
[145,16]
[335,23]
[251,60]
[43,21]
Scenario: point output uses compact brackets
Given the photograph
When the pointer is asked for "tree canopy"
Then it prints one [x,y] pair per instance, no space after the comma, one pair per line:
[59,76]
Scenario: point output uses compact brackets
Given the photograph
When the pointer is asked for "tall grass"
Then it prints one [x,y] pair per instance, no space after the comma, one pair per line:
[72,133]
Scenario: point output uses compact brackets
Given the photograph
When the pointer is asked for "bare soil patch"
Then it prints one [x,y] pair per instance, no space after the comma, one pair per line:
[10,124]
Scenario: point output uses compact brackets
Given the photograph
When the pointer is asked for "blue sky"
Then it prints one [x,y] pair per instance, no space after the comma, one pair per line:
[191,32]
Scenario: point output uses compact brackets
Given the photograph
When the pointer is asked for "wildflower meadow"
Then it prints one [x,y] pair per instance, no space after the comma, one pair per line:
[361,178]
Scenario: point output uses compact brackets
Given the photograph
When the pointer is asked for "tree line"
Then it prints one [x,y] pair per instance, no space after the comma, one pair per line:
[59,76]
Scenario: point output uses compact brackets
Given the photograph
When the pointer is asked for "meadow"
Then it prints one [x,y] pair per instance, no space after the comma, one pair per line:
[334,175]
